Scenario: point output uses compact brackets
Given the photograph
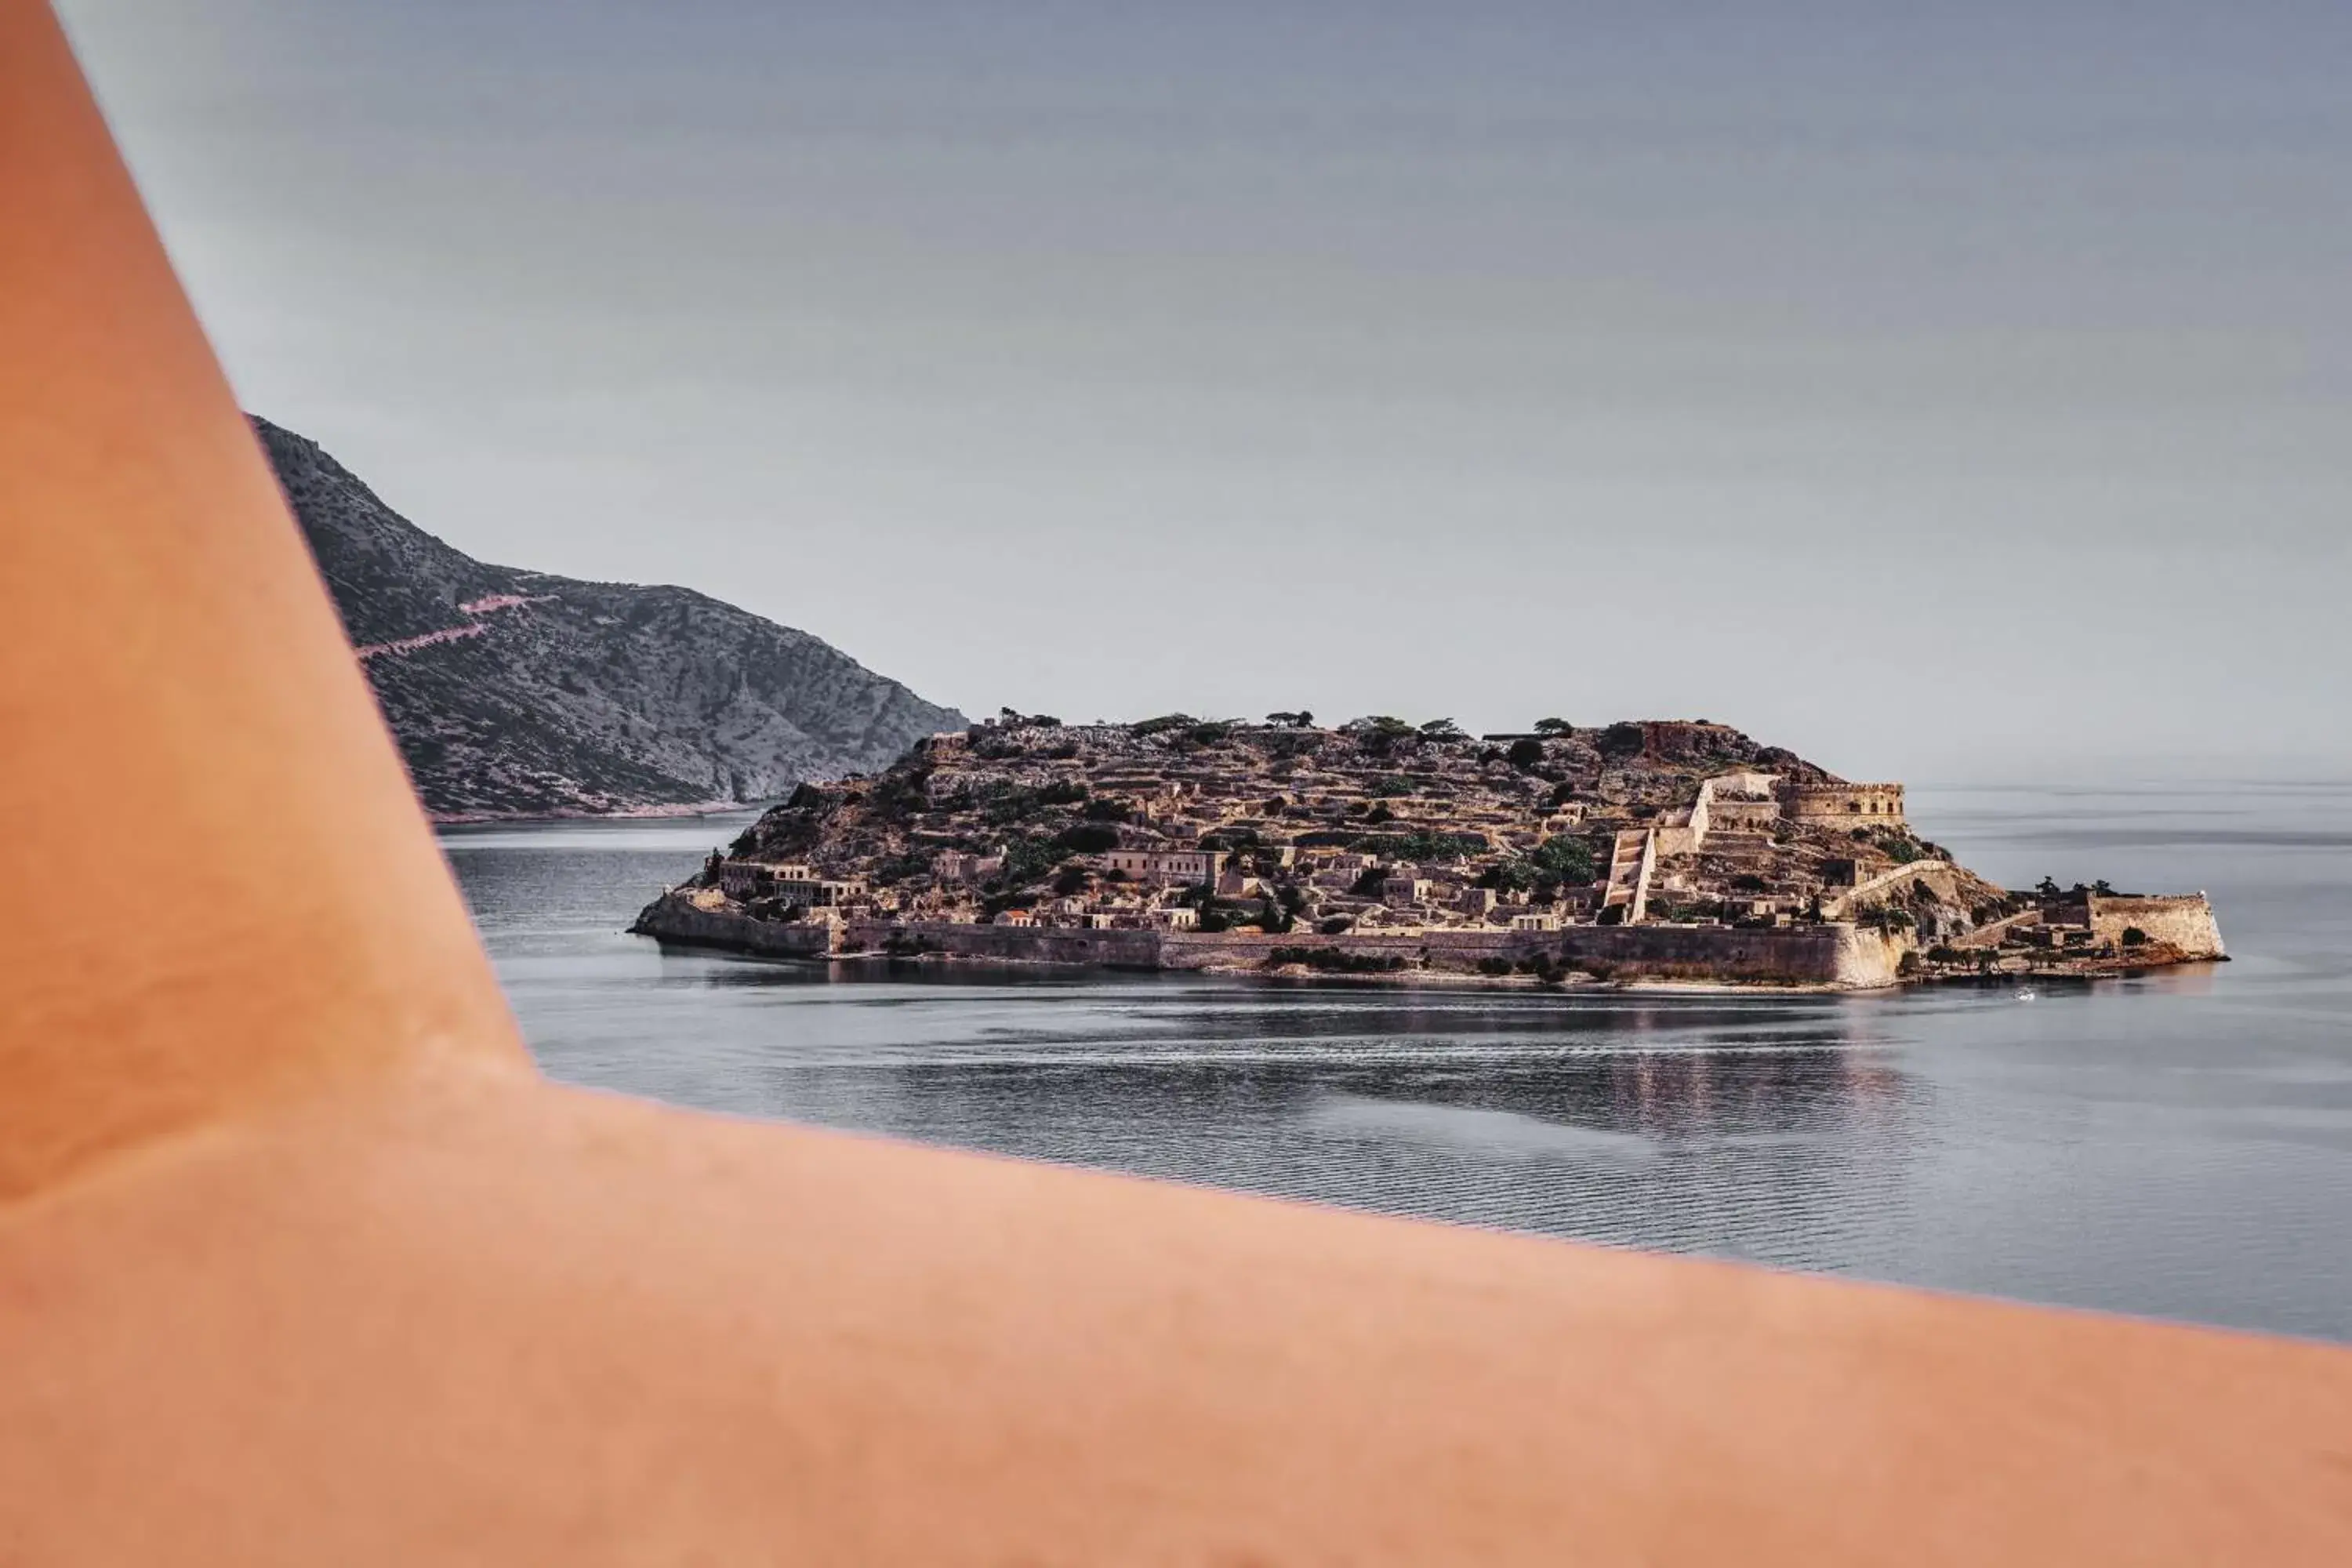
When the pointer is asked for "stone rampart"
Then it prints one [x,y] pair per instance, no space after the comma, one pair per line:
[1837,955]
[1807,955]
[672,919]
[2185,921]
[1684,832]
[1738,815]
[1856,805]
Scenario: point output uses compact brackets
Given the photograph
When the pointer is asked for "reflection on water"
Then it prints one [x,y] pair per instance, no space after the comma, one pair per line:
[2178,1144]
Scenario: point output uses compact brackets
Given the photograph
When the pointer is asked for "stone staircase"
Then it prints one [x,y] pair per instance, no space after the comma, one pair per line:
[1627,857]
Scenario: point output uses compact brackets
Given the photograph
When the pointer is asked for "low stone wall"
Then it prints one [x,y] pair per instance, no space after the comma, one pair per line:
[1940,875]
[2185,921]
[1994,933]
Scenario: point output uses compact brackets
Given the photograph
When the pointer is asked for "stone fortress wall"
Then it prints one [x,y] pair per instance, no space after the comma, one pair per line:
[1751,802]
[1833,955]
[1842,956]
[1684,832]
[1854,803]
[674,920]
[2185,921]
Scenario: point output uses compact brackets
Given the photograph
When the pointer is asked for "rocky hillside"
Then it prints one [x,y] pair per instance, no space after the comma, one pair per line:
[1652,850]
[514,693]
[1374,824]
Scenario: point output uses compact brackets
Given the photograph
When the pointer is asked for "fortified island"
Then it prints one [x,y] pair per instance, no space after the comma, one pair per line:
[1660,851]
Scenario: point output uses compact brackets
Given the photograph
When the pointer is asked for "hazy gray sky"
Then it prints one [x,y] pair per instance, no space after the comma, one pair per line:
[1953,390]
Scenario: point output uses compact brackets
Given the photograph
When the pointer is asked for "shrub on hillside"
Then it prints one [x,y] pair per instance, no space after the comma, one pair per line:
[1622,741]
[1569,859]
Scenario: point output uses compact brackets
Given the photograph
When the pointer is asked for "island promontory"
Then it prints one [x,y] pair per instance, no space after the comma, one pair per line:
[1658,850]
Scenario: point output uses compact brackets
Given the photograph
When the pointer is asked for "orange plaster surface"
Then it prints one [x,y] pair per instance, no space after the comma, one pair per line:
[299,1262]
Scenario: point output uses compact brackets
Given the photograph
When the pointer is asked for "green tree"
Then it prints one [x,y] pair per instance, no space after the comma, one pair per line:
[1026,858]
[1569,859]
[1423,845]
[1511,874]
[1554,727]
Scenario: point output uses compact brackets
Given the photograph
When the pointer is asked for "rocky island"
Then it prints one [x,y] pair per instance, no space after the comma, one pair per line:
[1660,851]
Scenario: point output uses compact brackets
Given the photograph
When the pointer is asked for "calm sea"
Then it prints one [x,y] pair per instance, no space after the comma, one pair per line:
[2178,1146]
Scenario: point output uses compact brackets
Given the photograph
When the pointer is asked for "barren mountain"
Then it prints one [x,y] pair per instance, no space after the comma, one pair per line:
[514,693]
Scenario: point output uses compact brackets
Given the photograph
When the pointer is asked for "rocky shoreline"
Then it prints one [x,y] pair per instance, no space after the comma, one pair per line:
[621,814]
[1833,957]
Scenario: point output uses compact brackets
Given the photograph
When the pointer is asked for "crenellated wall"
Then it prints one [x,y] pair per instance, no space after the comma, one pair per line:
[1856,805]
